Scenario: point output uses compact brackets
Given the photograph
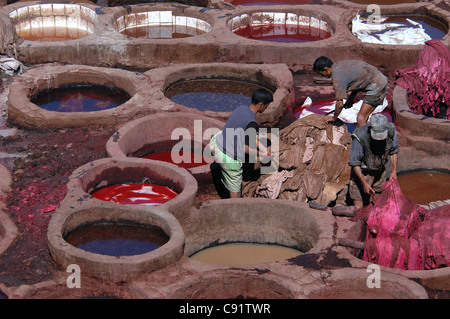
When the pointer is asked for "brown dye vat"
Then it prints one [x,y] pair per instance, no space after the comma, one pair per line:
[244,254]
[117,239]
[425,187]
[52,33]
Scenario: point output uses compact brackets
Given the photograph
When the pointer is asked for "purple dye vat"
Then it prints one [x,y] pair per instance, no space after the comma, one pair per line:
[80,97]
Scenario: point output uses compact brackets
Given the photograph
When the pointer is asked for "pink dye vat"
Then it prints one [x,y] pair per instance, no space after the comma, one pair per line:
[136,194]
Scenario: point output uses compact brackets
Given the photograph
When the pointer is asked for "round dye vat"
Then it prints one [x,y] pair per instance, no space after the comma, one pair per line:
[54,22]
[244,254]
[160,25]
[80,98]
[411,29]
[425,187]
[117,239]
[188,159]
[282,33]
[219,95]
[135,194]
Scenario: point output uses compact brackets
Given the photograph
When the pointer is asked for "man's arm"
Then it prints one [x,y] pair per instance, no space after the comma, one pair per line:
[394,161]
[367,188]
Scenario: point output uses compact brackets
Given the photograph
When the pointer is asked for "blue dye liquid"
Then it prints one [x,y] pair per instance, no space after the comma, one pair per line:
[80,98]
[206,101]
[117,239]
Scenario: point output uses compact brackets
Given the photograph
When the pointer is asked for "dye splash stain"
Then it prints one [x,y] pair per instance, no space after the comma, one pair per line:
[193,159]
[283,33]
[116,239]
[136,194]
[80,98]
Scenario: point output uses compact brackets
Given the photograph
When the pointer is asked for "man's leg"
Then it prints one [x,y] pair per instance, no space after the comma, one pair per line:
[363,115]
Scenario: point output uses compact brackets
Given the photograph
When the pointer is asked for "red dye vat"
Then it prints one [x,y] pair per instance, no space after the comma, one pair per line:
[194,159]
[283,33]
[136,194]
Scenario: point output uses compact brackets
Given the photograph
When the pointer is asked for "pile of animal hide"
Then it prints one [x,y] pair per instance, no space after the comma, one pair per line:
[313,164]
[428,81]
[403,235]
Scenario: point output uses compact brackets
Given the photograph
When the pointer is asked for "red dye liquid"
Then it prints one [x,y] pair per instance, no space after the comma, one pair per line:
[136,194]
[317,107]
[195,159]
[283,33]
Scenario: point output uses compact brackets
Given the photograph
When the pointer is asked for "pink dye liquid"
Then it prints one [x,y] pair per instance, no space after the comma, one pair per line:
[283,33]
[195,159]
[136,194]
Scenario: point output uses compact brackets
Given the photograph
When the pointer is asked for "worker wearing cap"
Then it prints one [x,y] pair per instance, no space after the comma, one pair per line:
[373,144]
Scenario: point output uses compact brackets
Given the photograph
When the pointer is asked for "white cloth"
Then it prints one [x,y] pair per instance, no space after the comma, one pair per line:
[389,33]
[10,65]
[347,115]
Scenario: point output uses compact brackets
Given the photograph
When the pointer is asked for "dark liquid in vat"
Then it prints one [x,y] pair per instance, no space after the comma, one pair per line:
[212,95]
[80,98]
[425,187]
[136,194]
[162,32]
[117,239]
[282,33]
